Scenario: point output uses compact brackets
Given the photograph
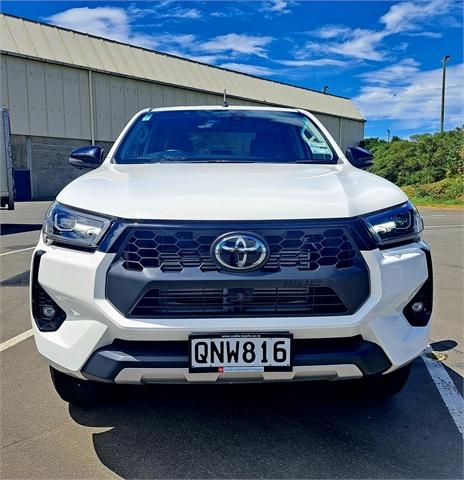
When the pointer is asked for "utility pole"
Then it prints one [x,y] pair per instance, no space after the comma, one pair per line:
[443,80]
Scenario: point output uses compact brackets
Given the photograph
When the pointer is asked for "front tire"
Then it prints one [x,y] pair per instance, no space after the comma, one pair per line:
[384,386]
[77,391]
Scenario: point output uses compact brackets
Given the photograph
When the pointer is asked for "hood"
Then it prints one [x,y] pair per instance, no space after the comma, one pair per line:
[230,191]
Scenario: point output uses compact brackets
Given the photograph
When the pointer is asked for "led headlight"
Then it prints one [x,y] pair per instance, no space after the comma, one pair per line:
[67,226]
[395,225]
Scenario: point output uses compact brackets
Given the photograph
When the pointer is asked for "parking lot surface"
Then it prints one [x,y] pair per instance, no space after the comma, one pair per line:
[317,430]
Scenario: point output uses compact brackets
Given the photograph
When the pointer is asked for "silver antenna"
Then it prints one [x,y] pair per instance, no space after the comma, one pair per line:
[226,103]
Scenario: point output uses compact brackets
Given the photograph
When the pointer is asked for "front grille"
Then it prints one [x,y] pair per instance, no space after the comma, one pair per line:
[173,250]
[236,302]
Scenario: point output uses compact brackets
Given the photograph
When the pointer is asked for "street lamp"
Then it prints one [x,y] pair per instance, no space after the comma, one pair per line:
[442,120]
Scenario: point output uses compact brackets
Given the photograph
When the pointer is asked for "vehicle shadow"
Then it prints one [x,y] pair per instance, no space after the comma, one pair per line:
[315,430]
[11,228]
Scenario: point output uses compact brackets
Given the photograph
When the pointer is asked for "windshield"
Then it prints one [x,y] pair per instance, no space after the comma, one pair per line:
[261,136]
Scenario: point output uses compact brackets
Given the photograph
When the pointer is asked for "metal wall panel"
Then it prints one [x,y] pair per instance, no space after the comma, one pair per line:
[72,103]
[84,96]
[60,52]
[4,98]
[118,109]
[21,38]
[38,38]
[130,98]
[143,94]
[37,104]
[332,124]
[17,94]
[6,37]
[352,132]
[78,49]
[55,102]
[103,107]
[157,97]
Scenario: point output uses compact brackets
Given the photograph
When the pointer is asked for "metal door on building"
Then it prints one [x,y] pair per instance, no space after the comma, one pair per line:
[22,182]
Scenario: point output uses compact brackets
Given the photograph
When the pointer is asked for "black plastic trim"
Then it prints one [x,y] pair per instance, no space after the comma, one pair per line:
[424,295]
[107,362]
[118,232]
[125,288]
[44,325]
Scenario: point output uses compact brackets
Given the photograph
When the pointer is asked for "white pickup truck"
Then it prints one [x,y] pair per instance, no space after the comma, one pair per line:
[229,244]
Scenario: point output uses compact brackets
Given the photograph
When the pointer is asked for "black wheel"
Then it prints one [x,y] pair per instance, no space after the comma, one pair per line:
[384,386]
[75,390]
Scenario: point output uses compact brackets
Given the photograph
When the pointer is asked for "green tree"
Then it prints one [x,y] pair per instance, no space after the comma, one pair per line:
[424,158]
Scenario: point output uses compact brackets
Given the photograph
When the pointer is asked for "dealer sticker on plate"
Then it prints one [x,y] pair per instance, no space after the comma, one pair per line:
[240,352]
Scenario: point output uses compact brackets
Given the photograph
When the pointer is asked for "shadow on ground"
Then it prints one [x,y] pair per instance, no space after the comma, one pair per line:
[11,228]
[315,430]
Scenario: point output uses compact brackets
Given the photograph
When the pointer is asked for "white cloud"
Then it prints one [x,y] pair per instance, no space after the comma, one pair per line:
[237,44]
[362,44]
[160,11]
[412,100]
[108,22]
[330,31]
[250,69]
[407,15]
[318,62]
[115,23]
[424,34]
[405,18]
[277,6]
[399,72]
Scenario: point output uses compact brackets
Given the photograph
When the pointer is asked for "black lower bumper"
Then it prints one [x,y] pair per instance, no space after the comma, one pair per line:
[107,362]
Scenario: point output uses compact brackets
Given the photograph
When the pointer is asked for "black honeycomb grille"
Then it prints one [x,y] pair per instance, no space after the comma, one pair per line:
[172,250]
[236,302]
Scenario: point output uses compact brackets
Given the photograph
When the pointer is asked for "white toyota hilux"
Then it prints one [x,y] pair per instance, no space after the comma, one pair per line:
[229,244]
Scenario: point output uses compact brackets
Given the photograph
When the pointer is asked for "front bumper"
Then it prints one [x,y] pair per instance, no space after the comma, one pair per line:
[76,282]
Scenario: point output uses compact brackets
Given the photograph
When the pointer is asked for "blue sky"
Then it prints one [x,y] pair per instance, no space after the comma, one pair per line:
[386,56]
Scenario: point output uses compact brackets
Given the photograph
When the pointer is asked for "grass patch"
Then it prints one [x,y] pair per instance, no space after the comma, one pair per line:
[448,192]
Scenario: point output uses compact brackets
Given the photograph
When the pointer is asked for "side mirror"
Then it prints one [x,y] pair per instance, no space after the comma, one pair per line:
[360,157]
[86,157]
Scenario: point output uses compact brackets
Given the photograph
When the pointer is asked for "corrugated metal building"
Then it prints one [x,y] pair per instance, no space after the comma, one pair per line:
[66,89]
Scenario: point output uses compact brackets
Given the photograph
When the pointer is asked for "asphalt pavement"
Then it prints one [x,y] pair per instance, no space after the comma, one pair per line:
[317,430]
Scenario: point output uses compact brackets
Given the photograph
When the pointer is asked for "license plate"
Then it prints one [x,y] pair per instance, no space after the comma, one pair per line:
[240,352]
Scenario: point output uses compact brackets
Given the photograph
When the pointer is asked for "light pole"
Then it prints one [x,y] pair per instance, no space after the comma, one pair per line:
[442,118]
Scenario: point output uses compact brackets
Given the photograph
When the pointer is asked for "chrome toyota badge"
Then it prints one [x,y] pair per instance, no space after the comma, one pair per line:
[240,251]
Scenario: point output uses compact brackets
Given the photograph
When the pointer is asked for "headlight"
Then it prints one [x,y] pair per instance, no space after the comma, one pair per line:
[67,226]
[395,225]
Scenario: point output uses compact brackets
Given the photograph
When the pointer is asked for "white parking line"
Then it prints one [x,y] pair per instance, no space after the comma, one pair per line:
[444,226]
[13,341]
[448,391]
[16,251]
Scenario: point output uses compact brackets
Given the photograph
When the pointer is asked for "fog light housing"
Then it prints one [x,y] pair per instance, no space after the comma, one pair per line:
[417,307]
[47,314]
[419,310]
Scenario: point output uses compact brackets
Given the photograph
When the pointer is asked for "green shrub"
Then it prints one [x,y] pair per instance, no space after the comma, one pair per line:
[422,159]
[449,191]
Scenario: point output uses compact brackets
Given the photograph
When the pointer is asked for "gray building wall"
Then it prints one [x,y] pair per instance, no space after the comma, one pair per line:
[51,114]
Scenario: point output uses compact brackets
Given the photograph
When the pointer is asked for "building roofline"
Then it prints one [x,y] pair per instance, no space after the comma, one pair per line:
[172,56]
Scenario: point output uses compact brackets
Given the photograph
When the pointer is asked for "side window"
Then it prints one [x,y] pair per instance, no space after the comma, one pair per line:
[316,143]
[135,145]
